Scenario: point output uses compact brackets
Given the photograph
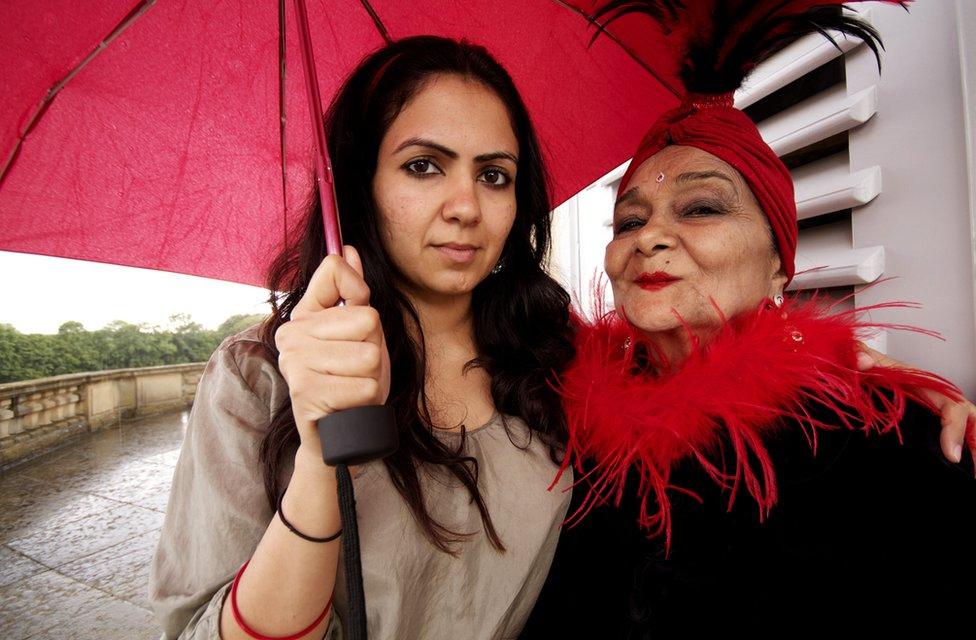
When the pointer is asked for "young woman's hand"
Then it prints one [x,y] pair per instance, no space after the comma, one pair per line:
[958,417]
[333,358]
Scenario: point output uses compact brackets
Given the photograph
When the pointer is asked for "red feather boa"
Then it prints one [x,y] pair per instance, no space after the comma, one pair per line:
[764,370]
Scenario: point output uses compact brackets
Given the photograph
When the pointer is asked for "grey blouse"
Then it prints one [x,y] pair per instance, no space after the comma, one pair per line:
[218,512]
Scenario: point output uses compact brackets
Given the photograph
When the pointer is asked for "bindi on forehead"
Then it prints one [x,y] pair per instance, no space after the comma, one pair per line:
[712,179]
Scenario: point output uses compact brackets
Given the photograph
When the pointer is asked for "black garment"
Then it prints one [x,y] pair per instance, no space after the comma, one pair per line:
[868,535]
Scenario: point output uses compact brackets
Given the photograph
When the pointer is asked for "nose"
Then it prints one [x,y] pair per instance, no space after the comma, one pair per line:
[462,203]
[655,236]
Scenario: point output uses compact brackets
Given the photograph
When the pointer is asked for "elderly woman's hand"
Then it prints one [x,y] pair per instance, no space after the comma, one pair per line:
[958,418]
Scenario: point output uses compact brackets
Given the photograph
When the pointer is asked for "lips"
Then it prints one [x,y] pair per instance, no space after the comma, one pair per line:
[457,252]
[655,281]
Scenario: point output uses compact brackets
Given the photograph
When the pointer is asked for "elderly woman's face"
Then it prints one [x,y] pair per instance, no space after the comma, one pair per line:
[689,236]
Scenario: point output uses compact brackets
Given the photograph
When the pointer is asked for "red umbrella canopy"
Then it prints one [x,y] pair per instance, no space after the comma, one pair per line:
[162,147]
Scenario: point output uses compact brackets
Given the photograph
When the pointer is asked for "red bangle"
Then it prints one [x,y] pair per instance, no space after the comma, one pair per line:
[254,634]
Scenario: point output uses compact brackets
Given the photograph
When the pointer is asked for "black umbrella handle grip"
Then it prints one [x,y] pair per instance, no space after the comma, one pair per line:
[358,435]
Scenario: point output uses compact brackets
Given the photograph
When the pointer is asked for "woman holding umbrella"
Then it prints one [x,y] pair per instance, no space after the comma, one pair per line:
[737,472]
[450,319]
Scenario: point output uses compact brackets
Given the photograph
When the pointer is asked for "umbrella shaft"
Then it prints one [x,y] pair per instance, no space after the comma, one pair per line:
[323,167]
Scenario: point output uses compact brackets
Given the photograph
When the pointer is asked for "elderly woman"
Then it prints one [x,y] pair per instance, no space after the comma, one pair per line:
[738,472]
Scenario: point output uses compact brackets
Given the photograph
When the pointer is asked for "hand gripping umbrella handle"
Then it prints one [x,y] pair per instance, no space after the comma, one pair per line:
[356,435]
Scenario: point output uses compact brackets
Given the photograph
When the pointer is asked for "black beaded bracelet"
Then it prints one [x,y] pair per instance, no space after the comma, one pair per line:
[298,533]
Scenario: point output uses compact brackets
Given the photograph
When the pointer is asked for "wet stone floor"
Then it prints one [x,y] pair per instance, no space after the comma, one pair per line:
[77,530]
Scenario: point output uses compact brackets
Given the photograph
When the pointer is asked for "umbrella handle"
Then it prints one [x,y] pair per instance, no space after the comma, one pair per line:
[358,435]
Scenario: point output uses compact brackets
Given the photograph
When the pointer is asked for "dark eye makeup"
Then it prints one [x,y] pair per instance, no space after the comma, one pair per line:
[495,177]
[703,208]
[700,208]
[421,167]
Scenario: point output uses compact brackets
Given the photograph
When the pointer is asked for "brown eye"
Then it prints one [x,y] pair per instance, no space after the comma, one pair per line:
[421,167]
[495,177]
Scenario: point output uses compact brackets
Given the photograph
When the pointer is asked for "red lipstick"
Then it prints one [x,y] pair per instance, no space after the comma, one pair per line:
[655,281]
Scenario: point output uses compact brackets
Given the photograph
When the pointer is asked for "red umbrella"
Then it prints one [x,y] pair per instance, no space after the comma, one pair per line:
[148,132]
[172,135]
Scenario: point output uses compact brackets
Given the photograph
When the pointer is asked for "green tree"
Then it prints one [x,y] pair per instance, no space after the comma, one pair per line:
[137,345]
[77,349]
[118,345]
[71,327]
[237,323]
[193,343]
[23,357]
[11,361]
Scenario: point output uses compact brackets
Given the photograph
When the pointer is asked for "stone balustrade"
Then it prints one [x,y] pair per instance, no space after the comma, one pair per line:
[36,415]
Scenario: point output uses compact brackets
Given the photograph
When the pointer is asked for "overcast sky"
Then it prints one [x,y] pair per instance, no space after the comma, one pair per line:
[40,293]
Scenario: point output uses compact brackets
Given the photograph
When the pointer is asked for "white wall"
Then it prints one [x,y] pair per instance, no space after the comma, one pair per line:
[923,216]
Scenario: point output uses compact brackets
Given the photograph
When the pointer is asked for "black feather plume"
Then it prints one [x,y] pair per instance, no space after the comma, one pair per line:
[719,42]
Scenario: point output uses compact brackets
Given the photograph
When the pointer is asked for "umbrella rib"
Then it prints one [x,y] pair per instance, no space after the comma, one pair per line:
[606,31]
[281,119]
[376,21]
[134,14]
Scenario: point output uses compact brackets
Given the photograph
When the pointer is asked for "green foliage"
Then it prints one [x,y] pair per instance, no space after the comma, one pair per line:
[119,345]
[236,324]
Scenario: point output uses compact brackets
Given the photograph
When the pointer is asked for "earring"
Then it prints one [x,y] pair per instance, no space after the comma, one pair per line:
[498,267]
[778,299]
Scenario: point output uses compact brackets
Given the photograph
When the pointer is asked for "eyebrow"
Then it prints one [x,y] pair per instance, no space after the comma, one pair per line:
[691,176]
[452,154]
[496,155]
[634,193]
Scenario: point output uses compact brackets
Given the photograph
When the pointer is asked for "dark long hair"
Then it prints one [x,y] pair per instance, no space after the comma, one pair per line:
[521,315]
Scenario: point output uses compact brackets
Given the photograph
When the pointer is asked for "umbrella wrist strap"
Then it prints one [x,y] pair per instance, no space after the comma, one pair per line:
[355,626]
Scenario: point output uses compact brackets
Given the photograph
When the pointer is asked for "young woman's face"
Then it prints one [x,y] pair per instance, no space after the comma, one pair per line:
[445,186]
